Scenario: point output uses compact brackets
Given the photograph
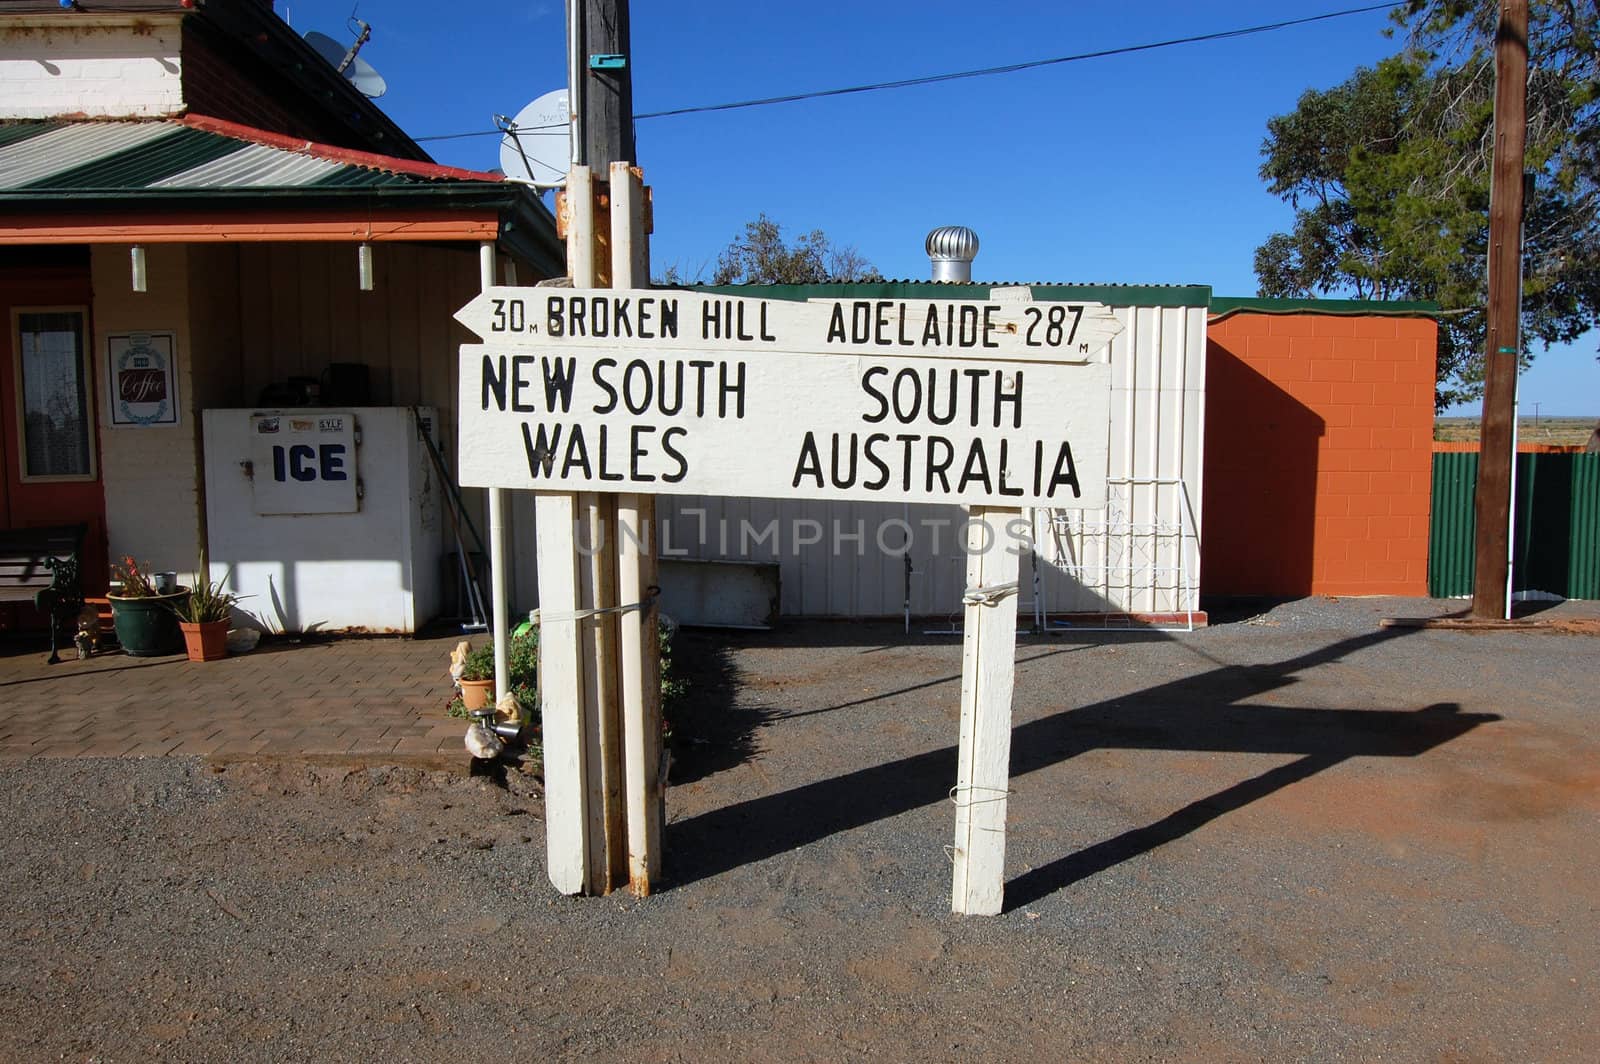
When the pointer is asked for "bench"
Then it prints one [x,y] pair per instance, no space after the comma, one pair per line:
[40,566]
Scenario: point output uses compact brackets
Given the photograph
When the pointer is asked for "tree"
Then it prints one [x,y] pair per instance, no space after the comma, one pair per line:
[762,257]
[1389,176]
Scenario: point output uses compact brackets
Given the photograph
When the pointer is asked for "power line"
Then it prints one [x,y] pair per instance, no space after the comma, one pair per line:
[1009,68]
[461,136]
[1012,68]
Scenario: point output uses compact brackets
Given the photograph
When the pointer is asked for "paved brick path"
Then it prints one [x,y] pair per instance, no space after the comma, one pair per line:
[352,697]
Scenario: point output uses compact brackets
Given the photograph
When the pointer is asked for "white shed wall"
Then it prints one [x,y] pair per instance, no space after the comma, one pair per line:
[1139,555]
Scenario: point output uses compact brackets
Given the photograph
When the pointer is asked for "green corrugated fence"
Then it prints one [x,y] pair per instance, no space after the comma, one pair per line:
[1556,548]
[1583,566]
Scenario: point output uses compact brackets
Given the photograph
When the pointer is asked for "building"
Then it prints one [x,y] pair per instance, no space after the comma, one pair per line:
[1319,441]
[192,204]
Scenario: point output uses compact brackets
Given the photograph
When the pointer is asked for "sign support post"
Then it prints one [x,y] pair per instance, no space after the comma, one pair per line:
[577,662]
[561,664]
[561,688]
[639,672]
[983,766]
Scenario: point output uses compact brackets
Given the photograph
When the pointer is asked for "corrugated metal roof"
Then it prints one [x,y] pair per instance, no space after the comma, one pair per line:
[203,155]
[52,149]
[257,166]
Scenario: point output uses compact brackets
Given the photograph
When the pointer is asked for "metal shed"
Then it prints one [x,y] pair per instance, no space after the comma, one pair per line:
[1139,556]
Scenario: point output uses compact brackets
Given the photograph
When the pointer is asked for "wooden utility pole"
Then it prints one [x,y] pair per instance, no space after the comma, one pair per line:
[1493,502]
[608,87]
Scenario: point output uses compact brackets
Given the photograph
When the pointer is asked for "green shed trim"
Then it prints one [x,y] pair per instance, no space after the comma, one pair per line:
[1222,306]
[1115,295]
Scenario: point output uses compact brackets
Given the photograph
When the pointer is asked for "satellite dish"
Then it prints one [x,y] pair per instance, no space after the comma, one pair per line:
[356,71]
[537,145]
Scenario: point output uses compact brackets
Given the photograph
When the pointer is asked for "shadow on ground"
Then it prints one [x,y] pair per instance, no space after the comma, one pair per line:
[1208,712]
[708,731]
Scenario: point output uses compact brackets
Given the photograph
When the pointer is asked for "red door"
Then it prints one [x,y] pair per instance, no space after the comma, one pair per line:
[49,433]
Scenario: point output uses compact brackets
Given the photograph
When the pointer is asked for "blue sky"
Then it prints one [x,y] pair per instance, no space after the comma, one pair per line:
[1130,169]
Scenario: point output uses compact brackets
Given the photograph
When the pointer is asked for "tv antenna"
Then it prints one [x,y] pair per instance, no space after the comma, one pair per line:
[356,71]
[537,146]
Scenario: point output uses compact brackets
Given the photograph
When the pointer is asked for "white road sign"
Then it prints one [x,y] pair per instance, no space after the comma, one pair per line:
[707,419]
[662,320]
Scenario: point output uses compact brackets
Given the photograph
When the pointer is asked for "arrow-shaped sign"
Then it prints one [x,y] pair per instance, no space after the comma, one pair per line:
[663,320]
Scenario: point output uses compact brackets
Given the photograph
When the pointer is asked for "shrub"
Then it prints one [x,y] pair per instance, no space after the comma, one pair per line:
[205,602]
[522,661]
[479,664]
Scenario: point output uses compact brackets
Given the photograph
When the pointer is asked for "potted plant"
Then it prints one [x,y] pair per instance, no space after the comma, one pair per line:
[203,617]
[477,673]
[145,622]
[477,677]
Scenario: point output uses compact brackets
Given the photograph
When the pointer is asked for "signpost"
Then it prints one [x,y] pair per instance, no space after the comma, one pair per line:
[997,404]
[992,403]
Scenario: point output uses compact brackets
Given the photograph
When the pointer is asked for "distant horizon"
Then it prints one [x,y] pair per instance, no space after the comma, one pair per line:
[1521,417]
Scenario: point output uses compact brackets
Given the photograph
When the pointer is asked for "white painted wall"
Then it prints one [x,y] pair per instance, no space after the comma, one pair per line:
[150,473]
[91,67]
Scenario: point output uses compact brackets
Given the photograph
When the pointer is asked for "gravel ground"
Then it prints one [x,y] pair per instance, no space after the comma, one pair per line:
[1291,836]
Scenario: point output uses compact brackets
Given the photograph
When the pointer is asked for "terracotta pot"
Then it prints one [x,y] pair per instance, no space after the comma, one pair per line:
[475,693]
[206,641]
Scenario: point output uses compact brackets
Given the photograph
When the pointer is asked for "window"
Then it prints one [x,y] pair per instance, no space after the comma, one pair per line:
[53,394]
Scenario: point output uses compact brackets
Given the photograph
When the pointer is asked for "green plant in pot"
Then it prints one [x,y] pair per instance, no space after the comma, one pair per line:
[477,677]
[145,622]
[204,614]
[477,674]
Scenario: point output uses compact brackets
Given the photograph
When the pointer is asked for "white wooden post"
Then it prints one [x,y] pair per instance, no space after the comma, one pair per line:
[988,653]
[640,651]
[570,787]
[561,695]
[597,581]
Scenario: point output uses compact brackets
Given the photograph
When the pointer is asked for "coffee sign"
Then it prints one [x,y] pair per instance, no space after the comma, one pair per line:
[142,371]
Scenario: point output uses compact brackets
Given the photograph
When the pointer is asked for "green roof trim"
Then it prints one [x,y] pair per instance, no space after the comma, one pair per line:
[1115,295]
[1378,308]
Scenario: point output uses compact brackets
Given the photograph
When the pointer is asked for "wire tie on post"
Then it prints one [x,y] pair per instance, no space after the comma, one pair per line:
[645,604]
[988,596]
[998,794]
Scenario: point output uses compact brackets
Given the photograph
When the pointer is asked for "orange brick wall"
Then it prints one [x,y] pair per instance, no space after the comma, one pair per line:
[1318,455]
